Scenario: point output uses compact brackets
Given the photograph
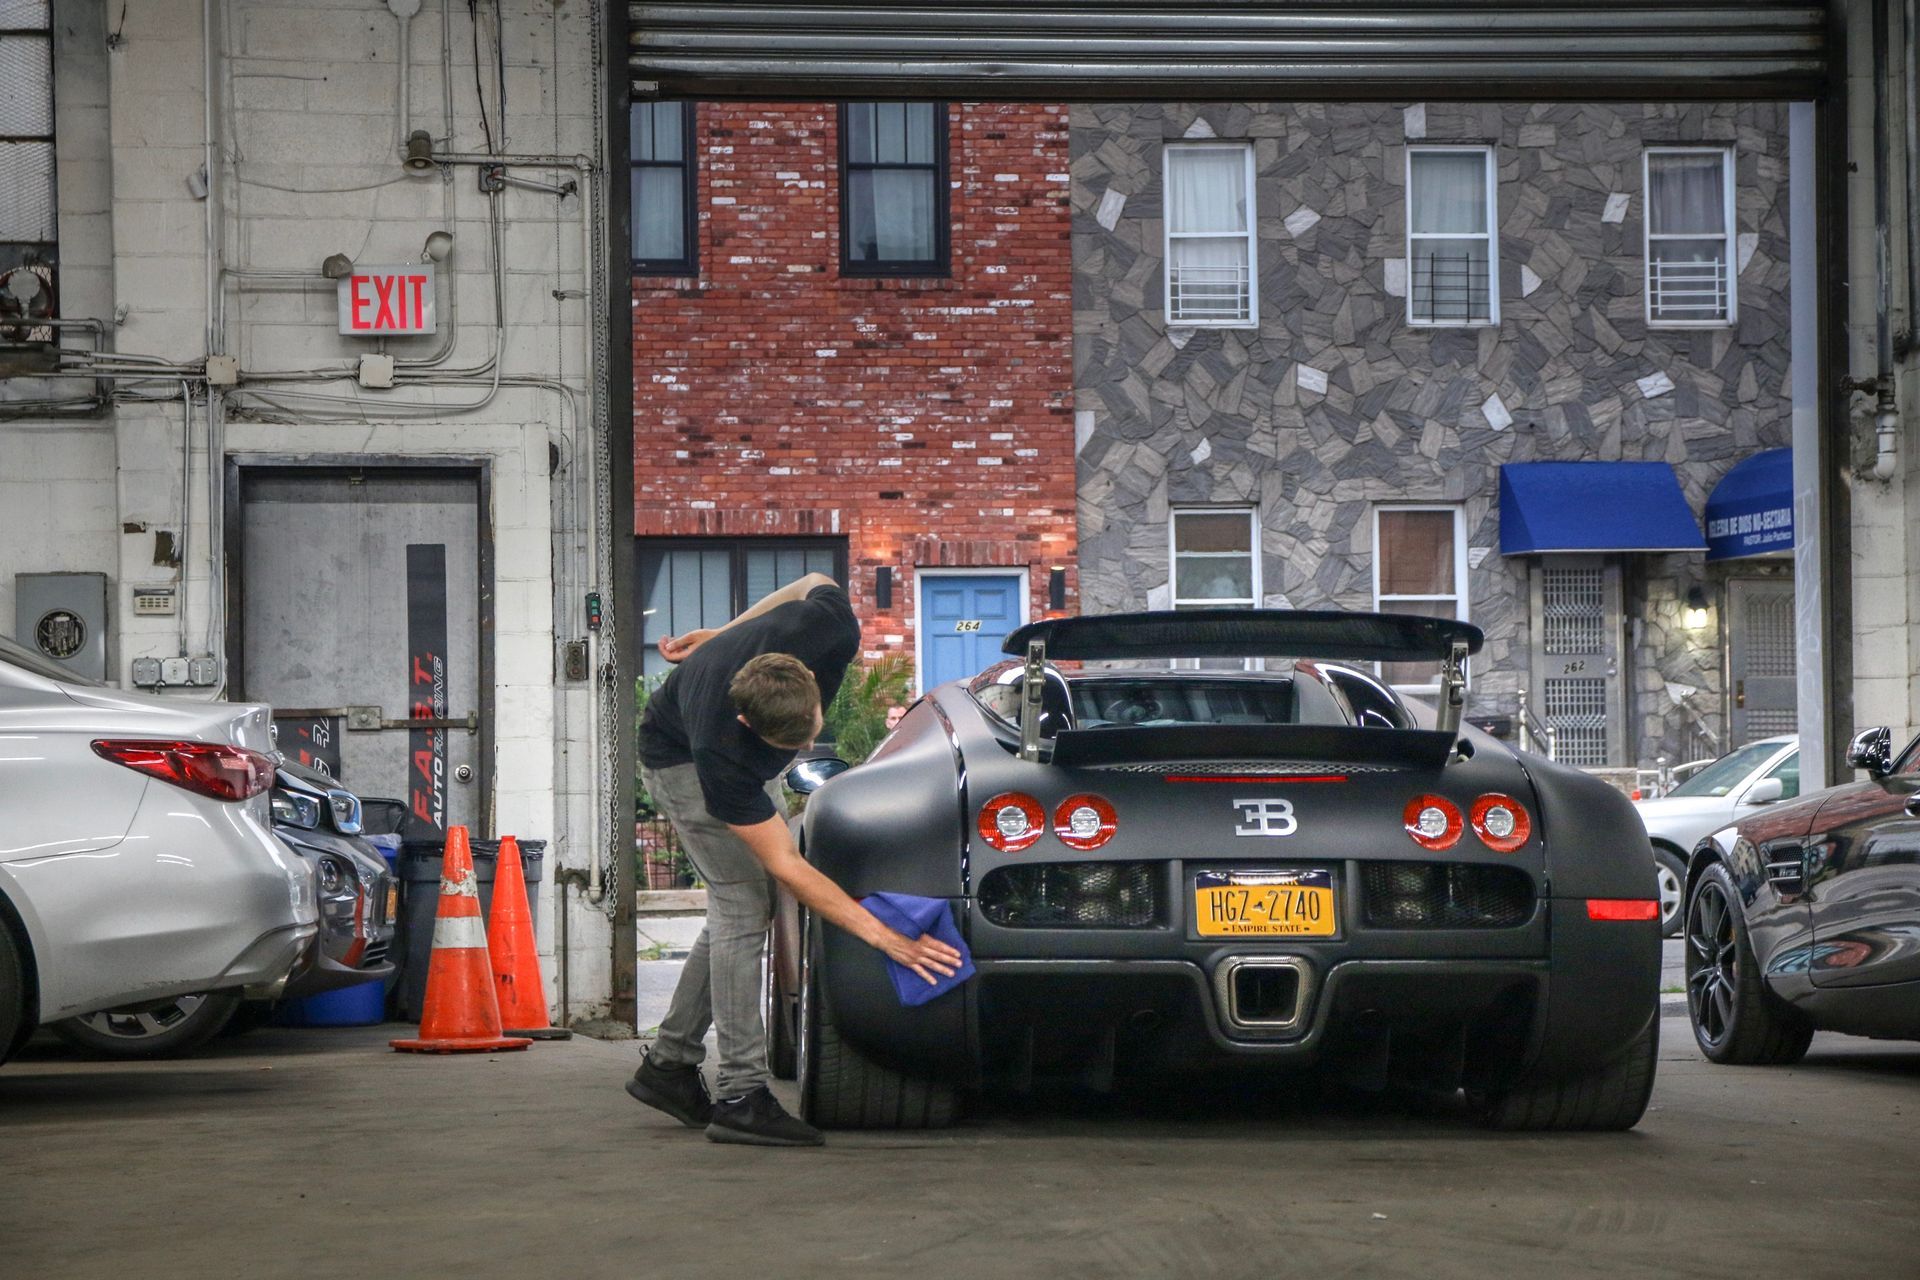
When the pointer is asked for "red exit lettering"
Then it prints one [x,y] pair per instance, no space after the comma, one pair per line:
[395,301]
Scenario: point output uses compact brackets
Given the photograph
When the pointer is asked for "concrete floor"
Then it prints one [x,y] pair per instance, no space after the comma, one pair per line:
[302,1153]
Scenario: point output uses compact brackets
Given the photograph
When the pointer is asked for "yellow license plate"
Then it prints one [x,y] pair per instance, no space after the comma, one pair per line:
[1264,904]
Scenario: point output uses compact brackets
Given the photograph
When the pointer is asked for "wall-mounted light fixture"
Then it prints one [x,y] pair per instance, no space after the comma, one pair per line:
[1056,588]
[336,266]
[419,151]
[883,588]
[438,246]
[1695,616]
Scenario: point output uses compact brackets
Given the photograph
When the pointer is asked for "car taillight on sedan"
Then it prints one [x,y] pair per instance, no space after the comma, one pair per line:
[205,768]
[1434,822]
[1012,821]
[1501,822]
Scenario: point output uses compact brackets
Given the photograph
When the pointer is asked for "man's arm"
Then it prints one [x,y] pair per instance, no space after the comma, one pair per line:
[772,843]
[674,648]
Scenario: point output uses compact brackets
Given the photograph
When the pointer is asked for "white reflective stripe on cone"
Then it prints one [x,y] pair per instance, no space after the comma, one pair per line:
[459,931]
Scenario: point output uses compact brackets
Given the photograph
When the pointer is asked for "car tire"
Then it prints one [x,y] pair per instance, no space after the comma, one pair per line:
[840,1087]
[780,1001]
[1670,876]
[250,1016]
[177,1027]
[1735,1018]
[1610,1099]
[15,1024]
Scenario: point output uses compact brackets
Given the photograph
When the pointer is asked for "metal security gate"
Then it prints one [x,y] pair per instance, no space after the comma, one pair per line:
[1103,50]
[362,613]
[1761,658]
[1576,663]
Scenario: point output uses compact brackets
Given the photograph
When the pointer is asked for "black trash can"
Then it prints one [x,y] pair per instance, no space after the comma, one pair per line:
[420,862]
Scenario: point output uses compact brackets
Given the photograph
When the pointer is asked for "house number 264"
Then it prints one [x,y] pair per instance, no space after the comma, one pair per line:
[967,624]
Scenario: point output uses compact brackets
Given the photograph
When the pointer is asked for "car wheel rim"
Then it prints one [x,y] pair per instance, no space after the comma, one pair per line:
[1669,893]
[148,1022]
[803,1049]
[1713,972]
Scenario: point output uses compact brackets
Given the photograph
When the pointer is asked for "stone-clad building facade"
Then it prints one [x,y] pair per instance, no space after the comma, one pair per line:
[1328,405]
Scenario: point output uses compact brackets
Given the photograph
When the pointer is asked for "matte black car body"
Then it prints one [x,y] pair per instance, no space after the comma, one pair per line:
[1827,893]
[1496,996]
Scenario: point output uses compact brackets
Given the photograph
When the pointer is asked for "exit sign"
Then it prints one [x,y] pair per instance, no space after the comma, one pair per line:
[379,301]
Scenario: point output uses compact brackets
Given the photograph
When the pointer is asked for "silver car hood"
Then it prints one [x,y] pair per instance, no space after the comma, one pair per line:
[1682,820]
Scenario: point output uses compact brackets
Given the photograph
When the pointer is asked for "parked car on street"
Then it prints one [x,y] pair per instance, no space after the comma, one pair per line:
[1726,790]
[1806,916]
[1170,872]
[359,908]
[137,858]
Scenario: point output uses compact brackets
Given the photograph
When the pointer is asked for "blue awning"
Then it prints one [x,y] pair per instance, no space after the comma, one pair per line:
[1594,506]
[1750,512]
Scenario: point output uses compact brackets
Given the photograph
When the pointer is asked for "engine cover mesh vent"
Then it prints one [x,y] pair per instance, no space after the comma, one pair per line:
[1445,895]
[1073,895]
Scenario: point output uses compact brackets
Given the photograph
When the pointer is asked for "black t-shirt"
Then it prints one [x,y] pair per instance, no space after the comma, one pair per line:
[691,718]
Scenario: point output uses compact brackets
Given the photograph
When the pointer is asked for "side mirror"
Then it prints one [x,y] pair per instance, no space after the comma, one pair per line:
[1765,791]
[1872,750]
[808,776]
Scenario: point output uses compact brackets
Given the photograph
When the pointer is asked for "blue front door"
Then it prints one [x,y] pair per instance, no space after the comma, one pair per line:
[963,619]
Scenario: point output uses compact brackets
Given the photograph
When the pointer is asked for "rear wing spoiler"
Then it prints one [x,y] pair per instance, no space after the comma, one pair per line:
[1246,633]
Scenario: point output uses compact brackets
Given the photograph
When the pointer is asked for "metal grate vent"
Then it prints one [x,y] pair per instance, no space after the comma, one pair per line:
[1573,607]
[1576,711]
[1073,895]
[1768,623]
[1445,895]
[1769,722]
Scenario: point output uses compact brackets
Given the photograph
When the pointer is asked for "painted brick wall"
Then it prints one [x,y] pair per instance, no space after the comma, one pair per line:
[928,421]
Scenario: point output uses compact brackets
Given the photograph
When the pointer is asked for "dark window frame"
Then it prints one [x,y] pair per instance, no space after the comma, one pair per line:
[39,253]
[941,264]
[648,549]
[688,264]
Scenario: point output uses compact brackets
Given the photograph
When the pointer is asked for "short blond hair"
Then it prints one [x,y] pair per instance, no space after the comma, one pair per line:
[778,696]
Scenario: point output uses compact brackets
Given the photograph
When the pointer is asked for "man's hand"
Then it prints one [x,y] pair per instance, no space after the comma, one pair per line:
[926,955]
[676,648]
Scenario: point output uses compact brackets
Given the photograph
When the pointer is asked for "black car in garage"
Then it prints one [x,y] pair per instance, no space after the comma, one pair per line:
[1164,870]
[1806,916]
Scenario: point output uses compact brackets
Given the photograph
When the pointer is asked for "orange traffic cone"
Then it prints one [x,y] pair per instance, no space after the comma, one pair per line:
[461,1014]
[513,954]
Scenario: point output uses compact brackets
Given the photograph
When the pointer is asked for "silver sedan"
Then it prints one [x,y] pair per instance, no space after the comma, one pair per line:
[137,856]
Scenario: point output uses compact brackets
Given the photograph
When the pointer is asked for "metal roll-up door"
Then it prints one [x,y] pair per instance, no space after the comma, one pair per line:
[1102,50]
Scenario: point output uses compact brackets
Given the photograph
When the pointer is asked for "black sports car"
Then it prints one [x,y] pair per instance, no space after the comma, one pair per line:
[1807,916]
[1172,870]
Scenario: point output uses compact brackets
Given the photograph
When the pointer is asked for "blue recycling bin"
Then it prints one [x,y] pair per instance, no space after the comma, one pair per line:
[361,1005]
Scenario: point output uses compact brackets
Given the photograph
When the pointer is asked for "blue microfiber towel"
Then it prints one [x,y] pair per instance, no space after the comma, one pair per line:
[913,916]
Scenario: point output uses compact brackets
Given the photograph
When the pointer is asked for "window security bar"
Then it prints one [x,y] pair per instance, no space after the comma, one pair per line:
[1211,293]
[1689,289]
[1449,290]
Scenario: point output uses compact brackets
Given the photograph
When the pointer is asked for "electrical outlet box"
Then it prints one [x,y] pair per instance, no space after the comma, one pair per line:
[174,670]
[146,672]
[64,617]
[203,672]
[223,371]
[154,600]
[574,659]
[376,371]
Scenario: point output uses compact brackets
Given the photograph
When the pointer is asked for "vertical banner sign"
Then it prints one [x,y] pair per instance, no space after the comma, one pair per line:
[314,741]
[427,680]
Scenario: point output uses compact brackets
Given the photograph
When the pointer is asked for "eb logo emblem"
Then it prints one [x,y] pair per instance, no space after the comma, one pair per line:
[1266,818]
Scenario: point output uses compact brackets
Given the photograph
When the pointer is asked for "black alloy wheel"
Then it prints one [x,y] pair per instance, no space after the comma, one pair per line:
[1736,1019]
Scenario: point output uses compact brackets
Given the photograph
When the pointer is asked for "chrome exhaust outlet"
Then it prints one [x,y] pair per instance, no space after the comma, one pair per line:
[1263,995]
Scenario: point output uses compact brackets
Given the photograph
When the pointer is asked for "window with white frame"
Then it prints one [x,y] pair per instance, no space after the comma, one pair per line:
[1215,558]
[1419,566]
[1211,249]
[1453,249]
[1689,222]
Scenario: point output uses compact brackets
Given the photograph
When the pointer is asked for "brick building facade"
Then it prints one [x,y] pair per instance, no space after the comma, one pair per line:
[797,407]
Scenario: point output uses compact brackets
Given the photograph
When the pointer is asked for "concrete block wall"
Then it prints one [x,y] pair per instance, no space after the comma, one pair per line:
[928,421]
[307,109]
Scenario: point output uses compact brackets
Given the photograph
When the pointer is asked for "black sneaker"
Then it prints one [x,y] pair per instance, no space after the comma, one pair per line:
[678,1091]
[757,1119]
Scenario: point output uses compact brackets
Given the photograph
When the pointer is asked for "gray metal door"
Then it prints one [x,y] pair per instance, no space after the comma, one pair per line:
[1576,658]
[1761,663]
[360,611]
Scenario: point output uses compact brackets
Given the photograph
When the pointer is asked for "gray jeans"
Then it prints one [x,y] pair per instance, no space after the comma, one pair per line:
[720,987]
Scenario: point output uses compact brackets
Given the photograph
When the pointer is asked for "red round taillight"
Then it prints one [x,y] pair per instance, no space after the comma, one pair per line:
[1433,821]
[1501,822]
[1011,821]
[1084,822]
